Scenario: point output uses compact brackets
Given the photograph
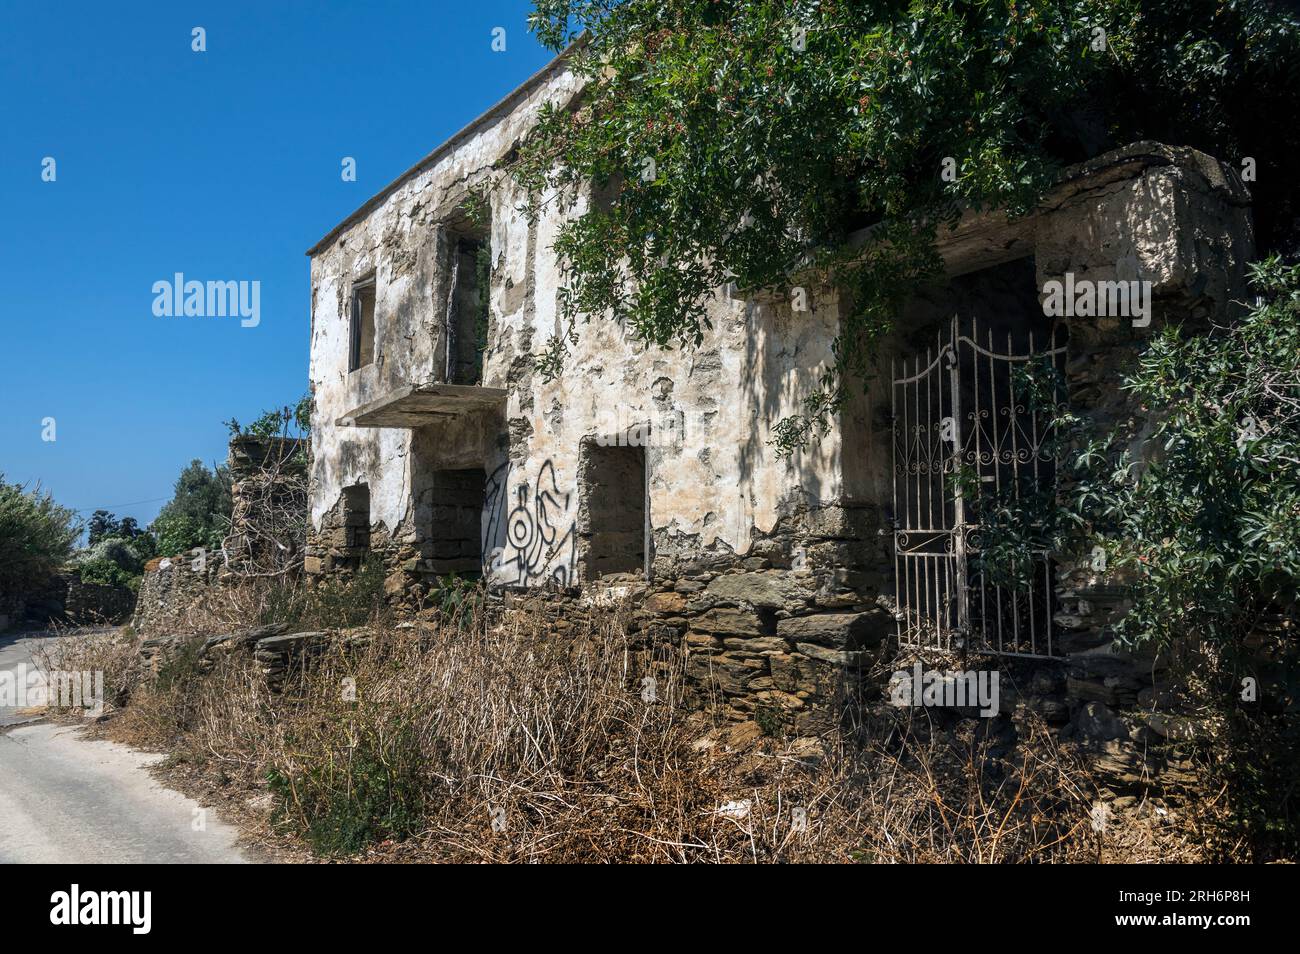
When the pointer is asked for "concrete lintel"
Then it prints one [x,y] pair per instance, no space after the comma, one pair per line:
[417,405]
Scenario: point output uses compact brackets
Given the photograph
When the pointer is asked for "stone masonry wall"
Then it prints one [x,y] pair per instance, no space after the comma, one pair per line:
[89,603]
[715,490]
[169,587]
[775,573]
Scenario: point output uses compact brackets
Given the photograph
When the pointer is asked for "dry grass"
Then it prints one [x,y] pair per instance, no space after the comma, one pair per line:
[115,652]
[456,740]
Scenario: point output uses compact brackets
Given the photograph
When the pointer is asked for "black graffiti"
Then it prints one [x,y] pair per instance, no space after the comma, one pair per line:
[493,500]
[536,547]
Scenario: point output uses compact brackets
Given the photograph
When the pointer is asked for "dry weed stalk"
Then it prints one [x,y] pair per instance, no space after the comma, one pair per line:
[268,523]
[491,739]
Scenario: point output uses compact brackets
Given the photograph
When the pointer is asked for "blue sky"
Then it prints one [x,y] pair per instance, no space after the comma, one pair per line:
[223,165]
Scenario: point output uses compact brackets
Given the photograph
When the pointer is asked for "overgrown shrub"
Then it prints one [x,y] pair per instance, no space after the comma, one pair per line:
[1208,527]
[115,653]
[36,537]
[111,561]
[337,601]
[375,791]
[1200,521]
[290,421]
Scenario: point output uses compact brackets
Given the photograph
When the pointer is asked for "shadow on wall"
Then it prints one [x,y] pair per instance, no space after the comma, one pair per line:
[781,365]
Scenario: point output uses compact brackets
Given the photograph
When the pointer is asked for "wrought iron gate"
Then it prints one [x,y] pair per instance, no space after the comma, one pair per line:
[956,408]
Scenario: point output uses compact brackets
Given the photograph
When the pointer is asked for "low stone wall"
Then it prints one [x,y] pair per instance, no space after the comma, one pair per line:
[88,603]
[65,599]
[273,647]
[276,648]
[795,652]
[782,646]
[169,587]
[778,646]
[781,651]
[39,607]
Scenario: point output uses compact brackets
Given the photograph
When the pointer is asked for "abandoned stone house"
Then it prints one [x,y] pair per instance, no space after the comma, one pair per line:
[648,473]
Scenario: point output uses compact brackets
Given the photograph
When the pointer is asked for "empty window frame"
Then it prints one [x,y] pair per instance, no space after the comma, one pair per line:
[467,310]
[361,340]
[356,517]
[613,516]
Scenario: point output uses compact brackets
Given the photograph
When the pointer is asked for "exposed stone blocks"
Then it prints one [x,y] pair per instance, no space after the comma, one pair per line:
[171,585]
[455,542]
[760,645]
[97,602]
[775,574]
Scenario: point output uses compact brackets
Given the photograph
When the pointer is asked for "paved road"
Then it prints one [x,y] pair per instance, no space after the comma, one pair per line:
[64,798]
[16,651]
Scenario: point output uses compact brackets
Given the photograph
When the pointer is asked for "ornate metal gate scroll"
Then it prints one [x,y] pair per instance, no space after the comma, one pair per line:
[956,406]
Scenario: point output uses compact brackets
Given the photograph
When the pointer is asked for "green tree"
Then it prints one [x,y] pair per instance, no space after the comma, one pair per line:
[112,561]
[36,538]
[1209,530]
[1205,530]
[199,512]
[753,141]
[102,524]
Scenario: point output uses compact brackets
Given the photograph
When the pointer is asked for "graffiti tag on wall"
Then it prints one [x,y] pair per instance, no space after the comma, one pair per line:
[536,541]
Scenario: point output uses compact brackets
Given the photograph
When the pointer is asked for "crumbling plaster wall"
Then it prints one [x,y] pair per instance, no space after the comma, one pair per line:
[405,240]
[715,483]
[716,486]
[770,570]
